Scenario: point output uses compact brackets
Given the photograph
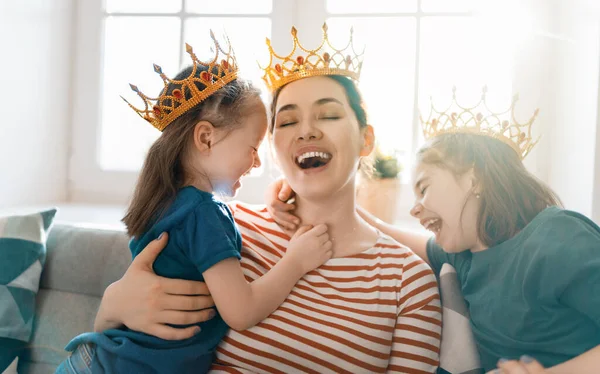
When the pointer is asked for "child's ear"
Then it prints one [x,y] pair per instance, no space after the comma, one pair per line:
[204,134]
[475,185]
[368,135]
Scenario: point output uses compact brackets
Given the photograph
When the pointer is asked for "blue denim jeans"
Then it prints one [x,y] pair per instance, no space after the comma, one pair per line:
[80,361]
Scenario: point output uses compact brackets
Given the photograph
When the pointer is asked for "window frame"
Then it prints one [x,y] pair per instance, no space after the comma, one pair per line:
[89,183]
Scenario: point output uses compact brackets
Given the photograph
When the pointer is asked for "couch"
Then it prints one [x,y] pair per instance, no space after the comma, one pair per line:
[81,262]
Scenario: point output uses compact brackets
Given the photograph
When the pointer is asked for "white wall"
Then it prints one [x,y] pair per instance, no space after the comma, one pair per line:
[35,74]
[573,144]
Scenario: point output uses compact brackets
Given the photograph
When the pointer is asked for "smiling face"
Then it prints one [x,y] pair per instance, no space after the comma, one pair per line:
[317,137]
[224,156]
[447,205]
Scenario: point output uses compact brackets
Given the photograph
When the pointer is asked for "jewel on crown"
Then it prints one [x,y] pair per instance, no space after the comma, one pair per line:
[161,111]
[479,119]
[303,62]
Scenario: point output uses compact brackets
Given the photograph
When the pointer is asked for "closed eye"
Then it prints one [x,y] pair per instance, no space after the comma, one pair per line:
[287,124]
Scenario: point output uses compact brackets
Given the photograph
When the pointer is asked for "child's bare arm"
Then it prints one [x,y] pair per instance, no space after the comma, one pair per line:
[242,304]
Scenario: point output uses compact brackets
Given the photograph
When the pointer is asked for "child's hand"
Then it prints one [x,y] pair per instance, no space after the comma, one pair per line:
[276,196]
[310,247]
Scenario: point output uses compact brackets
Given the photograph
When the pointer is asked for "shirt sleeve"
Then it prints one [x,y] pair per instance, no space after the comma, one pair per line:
[210,236]
[436,255]
[417,336]
[576,263]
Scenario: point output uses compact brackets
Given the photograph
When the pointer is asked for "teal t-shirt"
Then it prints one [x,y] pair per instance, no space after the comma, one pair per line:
[537,293]
[202,232]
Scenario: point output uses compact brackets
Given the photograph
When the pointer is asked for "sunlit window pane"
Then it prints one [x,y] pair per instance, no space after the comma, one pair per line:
[371,6]
[458,52]
[128,57]
[143,6]
[387,77]
[229,6]
[447,6]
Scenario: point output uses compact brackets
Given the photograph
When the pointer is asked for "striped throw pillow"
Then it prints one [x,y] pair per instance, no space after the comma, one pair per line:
[22,258]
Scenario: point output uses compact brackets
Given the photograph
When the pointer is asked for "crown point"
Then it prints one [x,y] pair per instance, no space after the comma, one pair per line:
[134,88]
[177,94]
[537,111]
[325,28]
[157,69]
[294,31]
[188,48]
[205,76]
[212,34]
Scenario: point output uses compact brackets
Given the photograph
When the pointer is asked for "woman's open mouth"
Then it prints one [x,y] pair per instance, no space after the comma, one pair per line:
[313,160]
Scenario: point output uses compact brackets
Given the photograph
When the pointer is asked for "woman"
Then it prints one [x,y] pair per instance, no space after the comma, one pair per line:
[374,307]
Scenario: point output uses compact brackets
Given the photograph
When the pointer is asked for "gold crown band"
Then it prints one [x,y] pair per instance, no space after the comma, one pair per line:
[218,74]
[324,60]
[480,120]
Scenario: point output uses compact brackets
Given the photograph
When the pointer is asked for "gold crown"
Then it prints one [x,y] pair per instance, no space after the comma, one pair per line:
[324,60]
[479,119]
[161,111]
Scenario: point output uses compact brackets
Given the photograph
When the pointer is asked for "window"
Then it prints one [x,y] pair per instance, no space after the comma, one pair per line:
[148,32]
[420,48]
[415,48]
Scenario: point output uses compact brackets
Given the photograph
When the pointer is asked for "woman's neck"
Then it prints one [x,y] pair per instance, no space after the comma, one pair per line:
[349,233]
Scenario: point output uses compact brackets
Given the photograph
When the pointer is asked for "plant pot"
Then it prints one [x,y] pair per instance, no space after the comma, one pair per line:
[379,197]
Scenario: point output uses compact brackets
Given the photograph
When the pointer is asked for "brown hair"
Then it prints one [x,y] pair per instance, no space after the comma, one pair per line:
[356,101]
[163,173]
[510,195]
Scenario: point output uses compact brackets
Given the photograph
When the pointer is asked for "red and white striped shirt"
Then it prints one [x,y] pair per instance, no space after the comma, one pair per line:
[373,312]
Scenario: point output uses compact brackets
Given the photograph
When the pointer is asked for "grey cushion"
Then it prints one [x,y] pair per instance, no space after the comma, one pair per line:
[80,264]
[84,260]
[458,352]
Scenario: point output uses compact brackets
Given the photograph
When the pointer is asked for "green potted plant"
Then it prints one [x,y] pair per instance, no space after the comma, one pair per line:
[379,185]
[386,165]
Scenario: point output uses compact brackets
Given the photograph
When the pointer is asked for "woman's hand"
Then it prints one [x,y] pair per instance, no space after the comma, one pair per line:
[526,365]
[276,197]
[146,302]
